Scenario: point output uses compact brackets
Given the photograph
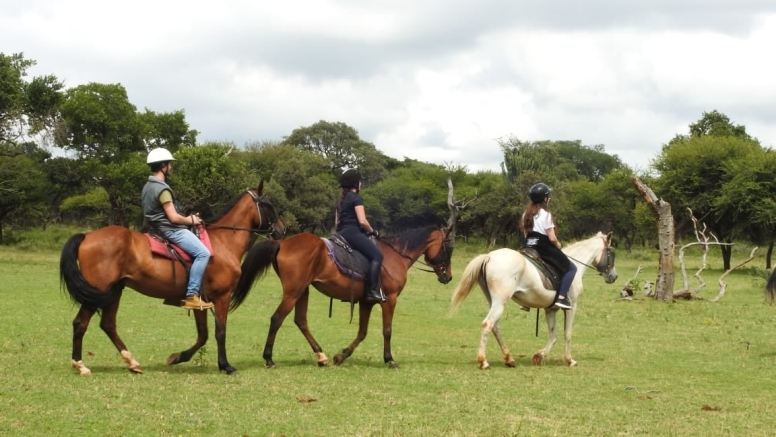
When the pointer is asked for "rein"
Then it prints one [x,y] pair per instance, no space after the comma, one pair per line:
[604,260]
[258,231]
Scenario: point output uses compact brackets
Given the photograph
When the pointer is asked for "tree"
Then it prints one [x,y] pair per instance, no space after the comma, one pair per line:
[110,139]
[26,108]
[695,169]
[21,184]
[342,147]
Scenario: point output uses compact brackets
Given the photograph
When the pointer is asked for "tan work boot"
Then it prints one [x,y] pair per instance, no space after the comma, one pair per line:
[193,302]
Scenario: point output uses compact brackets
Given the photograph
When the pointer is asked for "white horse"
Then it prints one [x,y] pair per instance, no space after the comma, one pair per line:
[504,273]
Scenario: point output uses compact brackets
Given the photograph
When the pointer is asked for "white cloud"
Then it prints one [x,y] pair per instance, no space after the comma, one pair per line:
[434,81]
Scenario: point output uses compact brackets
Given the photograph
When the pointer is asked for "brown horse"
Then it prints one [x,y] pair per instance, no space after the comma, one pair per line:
[303,260]
[96,266]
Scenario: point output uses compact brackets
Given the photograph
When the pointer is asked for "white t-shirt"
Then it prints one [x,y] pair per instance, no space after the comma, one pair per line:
[543,221]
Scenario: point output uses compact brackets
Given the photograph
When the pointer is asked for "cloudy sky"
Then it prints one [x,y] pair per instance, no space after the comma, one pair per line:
[438,81]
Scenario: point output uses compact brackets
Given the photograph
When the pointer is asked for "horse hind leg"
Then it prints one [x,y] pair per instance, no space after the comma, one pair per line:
[508,360]
[491,320]
[80,325]
[300,319]
[108,325]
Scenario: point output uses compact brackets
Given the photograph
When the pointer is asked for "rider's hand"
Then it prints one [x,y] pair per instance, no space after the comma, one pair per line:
[375,235]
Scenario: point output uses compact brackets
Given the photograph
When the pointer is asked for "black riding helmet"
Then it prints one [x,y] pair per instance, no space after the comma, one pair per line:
[539,192]
[350,178]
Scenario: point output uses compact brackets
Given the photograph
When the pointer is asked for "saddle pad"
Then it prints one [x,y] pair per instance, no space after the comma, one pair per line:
[550,276]
[350,262]
[160,248]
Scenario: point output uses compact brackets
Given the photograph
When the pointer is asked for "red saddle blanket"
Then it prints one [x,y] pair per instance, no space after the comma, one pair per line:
[159,248]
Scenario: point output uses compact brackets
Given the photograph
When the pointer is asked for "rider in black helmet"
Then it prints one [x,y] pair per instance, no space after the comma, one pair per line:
[538,229]
[352,224]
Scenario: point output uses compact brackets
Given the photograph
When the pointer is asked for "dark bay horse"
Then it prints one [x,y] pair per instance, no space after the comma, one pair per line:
[770,288]
[303,260]
[506,274]
[96,266]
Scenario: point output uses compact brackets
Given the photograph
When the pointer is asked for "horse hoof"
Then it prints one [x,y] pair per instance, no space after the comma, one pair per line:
[174,359]
[484,365]
[338,359]
[393,365]
[537,359]
[510,364]
[571,363]
[229,370]
[270,365]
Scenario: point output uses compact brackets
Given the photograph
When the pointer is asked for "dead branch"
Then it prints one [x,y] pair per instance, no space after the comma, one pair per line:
[627,290]
[722,285]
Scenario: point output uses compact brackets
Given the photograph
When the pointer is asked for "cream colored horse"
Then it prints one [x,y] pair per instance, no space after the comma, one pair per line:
[505,274]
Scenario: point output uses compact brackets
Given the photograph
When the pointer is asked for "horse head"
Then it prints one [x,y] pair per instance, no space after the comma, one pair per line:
[440,260]
[605,261]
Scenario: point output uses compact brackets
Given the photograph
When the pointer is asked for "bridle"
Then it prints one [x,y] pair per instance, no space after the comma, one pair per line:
[606,264]
[258,200]
[440,261]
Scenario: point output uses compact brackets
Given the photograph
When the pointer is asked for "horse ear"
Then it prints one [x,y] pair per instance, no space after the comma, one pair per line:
[261,187]
[609,238]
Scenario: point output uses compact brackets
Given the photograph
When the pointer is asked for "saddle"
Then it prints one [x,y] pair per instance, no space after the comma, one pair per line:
[349,261]
[164,247]
[549,274]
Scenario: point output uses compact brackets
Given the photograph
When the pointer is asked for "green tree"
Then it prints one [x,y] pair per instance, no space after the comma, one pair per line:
[26,108]
[343,148]
[696,168]
[21,185]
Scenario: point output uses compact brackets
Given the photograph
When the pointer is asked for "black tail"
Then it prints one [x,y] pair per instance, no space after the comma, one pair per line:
[255,265]
[70,278]
[770,289]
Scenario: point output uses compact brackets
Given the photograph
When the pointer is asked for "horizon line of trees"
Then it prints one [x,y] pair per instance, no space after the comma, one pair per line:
[716,169]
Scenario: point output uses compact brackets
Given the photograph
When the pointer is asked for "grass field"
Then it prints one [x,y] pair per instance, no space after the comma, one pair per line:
[687,368]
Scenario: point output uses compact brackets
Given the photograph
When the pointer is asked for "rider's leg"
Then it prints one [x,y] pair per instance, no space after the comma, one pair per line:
[562,300]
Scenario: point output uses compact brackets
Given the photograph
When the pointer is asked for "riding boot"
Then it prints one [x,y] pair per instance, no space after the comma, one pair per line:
[372,290]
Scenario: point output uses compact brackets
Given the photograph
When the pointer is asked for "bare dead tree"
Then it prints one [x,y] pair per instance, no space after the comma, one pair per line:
[664,285]
[455,207]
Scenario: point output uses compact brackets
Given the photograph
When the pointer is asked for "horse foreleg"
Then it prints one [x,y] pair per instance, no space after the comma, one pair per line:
[388,309]
[220,314]
[275,322]
[364,312]
[300,319]
[80,324]
[568,320]
[108,325]
[508,360]
[200,319]
[539,357]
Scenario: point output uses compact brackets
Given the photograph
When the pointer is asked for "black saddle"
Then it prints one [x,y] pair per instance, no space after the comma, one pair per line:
[350,262]
[550,275]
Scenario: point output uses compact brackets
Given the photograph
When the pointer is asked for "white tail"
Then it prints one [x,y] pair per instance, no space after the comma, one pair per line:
[472,274]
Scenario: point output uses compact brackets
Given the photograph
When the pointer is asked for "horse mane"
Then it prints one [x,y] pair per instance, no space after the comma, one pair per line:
[411,239]
[579,242]
[226,209]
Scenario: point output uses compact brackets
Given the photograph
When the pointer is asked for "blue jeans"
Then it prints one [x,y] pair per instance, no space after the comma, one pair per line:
[192,245]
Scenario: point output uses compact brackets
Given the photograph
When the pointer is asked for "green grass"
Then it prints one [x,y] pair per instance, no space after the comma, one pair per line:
[687,368]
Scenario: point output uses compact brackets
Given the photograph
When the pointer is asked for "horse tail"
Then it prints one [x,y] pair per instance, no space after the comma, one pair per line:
[71,278]
[473,273]
[770,289]
[259,258]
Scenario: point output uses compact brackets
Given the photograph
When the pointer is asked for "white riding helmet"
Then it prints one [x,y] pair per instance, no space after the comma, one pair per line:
[159,155]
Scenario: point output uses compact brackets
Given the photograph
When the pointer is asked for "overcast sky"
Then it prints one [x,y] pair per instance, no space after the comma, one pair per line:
[437,81]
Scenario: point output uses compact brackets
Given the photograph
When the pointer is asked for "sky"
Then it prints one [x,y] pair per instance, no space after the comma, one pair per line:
[437,81]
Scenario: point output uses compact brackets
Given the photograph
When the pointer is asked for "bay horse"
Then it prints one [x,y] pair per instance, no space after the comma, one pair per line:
[505,274]
[96,266]
[303,260]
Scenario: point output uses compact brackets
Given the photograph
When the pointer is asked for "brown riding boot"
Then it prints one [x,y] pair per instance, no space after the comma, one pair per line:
[193,302]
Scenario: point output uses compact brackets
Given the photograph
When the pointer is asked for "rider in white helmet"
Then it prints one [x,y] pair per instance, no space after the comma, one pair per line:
[161,211]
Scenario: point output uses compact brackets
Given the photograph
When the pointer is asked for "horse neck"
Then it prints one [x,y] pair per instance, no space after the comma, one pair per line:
[586,251]
[225,231]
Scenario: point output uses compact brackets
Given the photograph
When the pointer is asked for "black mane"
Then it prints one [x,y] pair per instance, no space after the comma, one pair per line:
[410,240]
[227,208]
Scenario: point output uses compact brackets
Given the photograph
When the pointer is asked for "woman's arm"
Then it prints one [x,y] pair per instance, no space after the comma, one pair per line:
[552,237]
[361,214]
[174,217]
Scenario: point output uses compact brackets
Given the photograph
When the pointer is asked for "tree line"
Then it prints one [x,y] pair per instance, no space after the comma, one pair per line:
[716,169]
